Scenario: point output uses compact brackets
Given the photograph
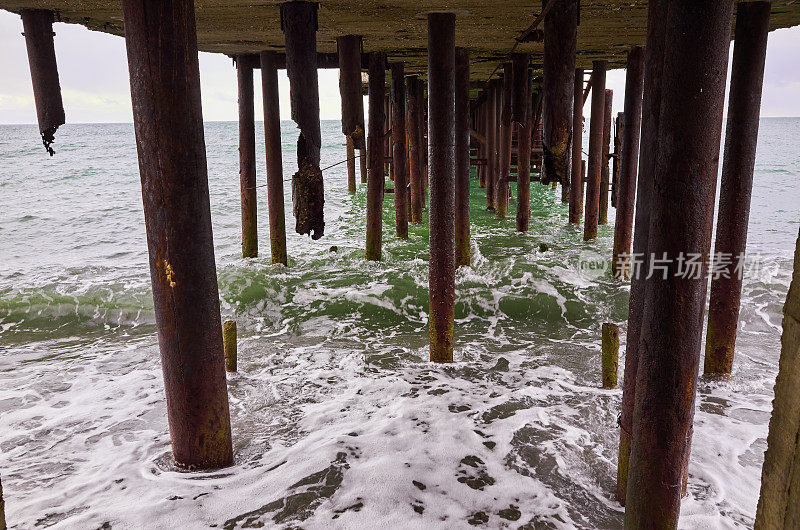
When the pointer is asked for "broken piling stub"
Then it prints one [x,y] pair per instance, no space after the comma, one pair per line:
[38,30]
[610,355]
[229,344]
[299,23]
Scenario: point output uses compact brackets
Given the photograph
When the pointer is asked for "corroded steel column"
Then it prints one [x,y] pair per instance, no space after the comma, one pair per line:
[619,127]
[560,39]
[481,126]
[504,146]
[387,135]
[651,104]
[422,105]
[491,144]
[362,156]
[628,163]
[247,156]
[349,51]
[38,27]
[690,127]
[299,24]
[741,137]
[351,164]
[462,239]
[595,158]
[576,182]
[605,171]
[441,141]
[398,93]
[413,141]
[165,91]
[523,120]
[375,175]
[272,143]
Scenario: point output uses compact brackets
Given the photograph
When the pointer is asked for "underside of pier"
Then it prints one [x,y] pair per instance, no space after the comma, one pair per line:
[607,29]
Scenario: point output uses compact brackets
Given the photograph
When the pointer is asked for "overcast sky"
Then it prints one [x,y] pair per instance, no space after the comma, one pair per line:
[94,78]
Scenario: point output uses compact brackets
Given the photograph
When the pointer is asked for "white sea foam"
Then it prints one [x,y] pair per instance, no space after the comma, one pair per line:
[338,420]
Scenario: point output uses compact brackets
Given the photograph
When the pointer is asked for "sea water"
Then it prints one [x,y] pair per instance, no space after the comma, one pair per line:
[338,419]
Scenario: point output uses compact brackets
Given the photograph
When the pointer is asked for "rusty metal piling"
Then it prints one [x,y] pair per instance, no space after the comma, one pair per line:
[595,159]
[693,92]
[399,160]
[161,44]
[462,126]
[628,163]
[247,156]
[560,41]
[413,140]
[605,171]
[651,104]
[272,148]
[375,172]
[38,30]
[299,24]
[741,137]
[504,147]
[441,129]
[576,181]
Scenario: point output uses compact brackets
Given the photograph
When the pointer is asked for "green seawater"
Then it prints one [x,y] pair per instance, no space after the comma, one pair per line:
[338,418]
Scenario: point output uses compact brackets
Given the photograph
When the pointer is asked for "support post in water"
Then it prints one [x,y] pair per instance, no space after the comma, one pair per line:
[161,43]
[504,148]
[741,138]
[595,158]
[413,141]
[610,354]
[651,104]
[398,89]
[351,164]
[247,156]
[523,121]
[349,52]
[375,175]
[576,182]
[560,40]
[481,126]
[619,132]
[387,135]
[628,163]
[462,236]
[441,128]
[38,30]
[272,142]
[362,156]
[422,105]
[299,24]
[779,502]
[690,128]
[491,143]
[605,171]
[229,344]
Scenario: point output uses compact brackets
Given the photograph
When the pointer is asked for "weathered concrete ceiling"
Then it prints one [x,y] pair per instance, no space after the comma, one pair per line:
[608,28]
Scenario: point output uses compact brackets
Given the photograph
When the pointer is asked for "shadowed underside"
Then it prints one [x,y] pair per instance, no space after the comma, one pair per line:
[607,30]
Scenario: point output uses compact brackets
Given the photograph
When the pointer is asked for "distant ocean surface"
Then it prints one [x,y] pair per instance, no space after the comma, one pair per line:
[338,418]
